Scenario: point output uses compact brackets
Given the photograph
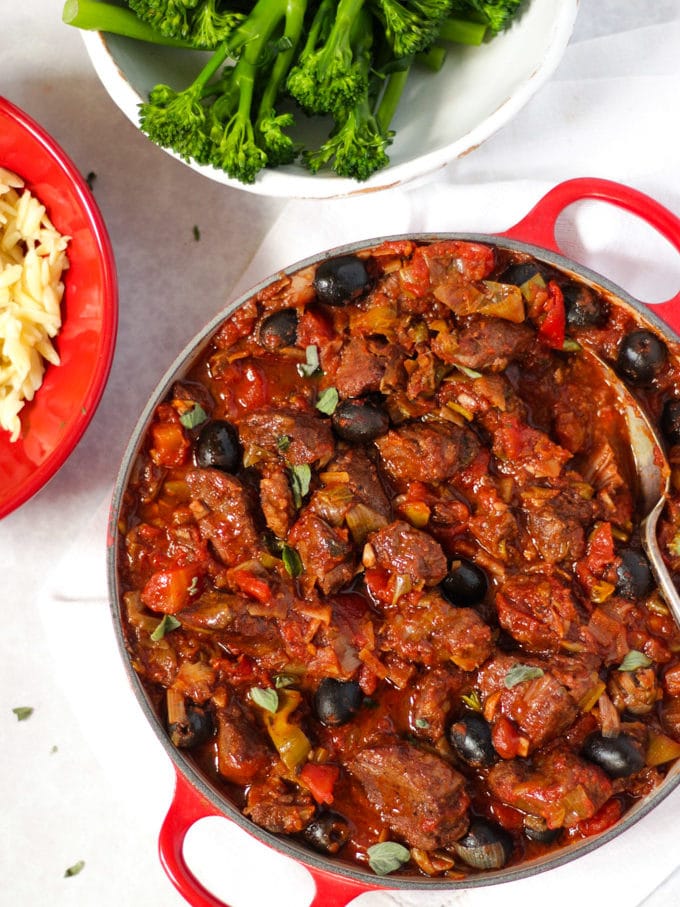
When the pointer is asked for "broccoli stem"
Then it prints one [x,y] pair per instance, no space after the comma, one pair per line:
[387,106]
[462,31]
[93,15]
[433,58]
[295,17]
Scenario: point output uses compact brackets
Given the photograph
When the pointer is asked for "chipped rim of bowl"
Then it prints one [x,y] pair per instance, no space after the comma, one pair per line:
[282,183]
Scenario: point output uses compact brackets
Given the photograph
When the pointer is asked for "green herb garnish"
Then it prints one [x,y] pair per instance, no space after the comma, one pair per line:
[311,366]
[386,857]
[634,660]
[291,560]
[194,416]
[470,372]
[472,701]
[300,478]
[75,869]
[283,443]
[328,400]
[281,681]
[266,698]
[166,625]
[23,712]
[422,722]
[518,673]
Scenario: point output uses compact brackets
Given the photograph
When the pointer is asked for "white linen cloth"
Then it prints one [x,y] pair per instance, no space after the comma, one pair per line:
[611,111]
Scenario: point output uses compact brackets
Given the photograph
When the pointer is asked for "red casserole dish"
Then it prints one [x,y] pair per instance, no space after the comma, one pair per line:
[195,797]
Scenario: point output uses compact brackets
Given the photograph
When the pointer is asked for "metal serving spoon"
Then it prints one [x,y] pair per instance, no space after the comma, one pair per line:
[653,473]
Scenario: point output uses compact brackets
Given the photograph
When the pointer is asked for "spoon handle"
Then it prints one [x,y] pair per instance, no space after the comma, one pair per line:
[656,561]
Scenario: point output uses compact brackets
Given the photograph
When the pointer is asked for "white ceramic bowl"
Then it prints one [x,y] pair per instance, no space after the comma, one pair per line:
[441,116]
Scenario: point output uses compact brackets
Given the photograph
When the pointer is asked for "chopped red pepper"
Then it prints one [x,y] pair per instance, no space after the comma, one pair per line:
[320,778]
[169,591]
[377,582]
[170,444]
[415,275]
[247,384]
[506,738]
[314,329]
[252,585]
[552,329]
[603,819]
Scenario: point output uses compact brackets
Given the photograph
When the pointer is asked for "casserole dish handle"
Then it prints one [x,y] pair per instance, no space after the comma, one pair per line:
[538,226]
[187,807]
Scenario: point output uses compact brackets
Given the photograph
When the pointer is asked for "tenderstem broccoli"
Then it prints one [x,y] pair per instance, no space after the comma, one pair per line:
[93,15]
[495,14]
[411,26]
[215,120]
[350,59]
[357,145]
[328,77]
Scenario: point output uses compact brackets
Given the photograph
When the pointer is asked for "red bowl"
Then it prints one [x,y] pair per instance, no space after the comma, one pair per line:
[54,421]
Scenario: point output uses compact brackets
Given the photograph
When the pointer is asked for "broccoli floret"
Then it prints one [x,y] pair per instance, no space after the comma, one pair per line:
[227,116]
[496,14]
[210,26]
[356,147]
[177,120]
[328,77]
[170,18]
[411,26]
[269,125]
[95,15]
[232,136]
[202,23]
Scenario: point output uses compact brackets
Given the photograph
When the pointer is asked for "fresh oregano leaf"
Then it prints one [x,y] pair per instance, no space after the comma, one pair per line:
[386,857]
[300,478]
[194,416]
[281,681]
[519,673]
[75,869]
[634,660]
[267,699]
[291,560]
[328,401]
[166,625]
[311,366]
[23,712]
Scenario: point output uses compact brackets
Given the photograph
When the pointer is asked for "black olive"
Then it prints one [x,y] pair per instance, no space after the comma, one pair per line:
[536,829]
[336,701]
[470,737]
[634,577]
[670,421]
[339,280]
[520,273]
[328,832]
[360,421]
[618,756]
[584,307]
[641,357]
[465,584]
[485,846]
[196,729]
[218,446]
[279,330]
